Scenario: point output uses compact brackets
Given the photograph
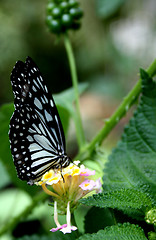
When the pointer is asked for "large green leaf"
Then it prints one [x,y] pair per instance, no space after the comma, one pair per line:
[117,232]
[98,218]
[123,199]
[67,97]
[64,102]
[12,203]
[35,237]
[132,163]
[53,236]
[130,173]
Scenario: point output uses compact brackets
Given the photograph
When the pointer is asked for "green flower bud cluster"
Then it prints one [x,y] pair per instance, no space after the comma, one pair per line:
[151,216]
[63,15]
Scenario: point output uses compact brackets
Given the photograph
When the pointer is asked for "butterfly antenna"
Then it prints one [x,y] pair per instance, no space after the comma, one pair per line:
[62,175]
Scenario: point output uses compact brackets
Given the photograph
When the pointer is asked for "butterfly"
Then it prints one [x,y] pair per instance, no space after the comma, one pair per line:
[36,134]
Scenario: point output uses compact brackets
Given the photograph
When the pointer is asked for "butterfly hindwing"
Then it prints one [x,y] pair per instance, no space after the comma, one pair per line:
[36,133]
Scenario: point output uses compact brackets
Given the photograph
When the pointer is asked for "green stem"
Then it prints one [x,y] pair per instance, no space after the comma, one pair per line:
[77,119]
[117,115]
[12,224]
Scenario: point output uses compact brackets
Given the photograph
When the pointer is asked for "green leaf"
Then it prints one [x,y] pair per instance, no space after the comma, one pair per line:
[65,116]
[12,202]
[52,236]
[101,216]
[105,8]
[124,231]
[34,237]
[123,199]
[152,236]
[4,176]
[132,162]
[22,210]
[67,97]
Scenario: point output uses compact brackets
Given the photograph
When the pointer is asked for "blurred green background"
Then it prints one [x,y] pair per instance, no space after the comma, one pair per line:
[117,37]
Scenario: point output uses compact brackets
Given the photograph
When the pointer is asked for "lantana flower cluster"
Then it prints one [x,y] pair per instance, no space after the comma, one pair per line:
[67,186]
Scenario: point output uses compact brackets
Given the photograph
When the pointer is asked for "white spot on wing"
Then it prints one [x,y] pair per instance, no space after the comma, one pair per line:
[41,169]
[42,154]
[30,139]
[48,116]
[42,99]
[53,130]
[42,129]
[34,147]
[46,88]
[41,161]
[46,100]
[43,141]
[37,103]
[36,83]
[51,103]
[36,128]
[34,89]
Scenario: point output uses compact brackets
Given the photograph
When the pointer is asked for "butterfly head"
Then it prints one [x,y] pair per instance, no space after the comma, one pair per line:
[63,162]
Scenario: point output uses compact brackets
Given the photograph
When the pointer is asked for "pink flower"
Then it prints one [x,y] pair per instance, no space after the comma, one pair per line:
[86,172]
[87,185]
[56,229]
[67,186]
[98,185]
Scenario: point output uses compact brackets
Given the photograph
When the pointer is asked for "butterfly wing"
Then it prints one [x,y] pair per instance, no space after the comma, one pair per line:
[36,134]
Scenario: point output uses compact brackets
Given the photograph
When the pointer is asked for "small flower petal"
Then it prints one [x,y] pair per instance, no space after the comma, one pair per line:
[87,172]
[48,175]
[55,229]
[39,183]
[58,228]
[87,185]
[51,177]
[98,185]
[75,171]
[76,162]
[68,229]
[55,179]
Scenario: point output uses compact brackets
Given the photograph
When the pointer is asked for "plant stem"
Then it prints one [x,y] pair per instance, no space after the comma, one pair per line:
[117,115]
[77,118]
[11,224]
[47,191]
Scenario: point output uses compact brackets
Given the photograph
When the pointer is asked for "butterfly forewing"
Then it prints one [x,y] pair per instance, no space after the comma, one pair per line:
[36,133]
[18,80]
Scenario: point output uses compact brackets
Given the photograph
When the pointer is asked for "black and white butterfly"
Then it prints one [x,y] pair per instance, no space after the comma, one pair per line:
[36,134]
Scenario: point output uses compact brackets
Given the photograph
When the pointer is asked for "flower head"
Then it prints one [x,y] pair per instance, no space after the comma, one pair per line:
[66,186]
